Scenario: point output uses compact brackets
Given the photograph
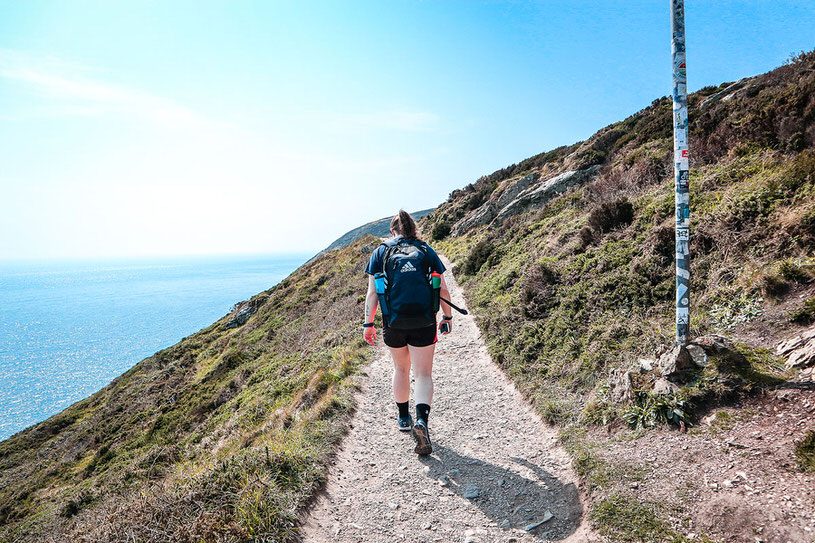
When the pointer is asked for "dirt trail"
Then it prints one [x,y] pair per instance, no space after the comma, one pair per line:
[496,470]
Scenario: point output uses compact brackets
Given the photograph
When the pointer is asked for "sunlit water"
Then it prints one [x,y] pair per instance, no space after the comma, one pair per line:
[67,329]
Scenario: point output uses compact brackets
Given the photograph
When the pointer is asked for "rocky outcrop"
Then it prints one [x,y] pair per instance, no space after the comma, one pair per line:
[544,192]
[727,93]
[485,213]
[799,351]
[482,215]
[242,311]
[519,195]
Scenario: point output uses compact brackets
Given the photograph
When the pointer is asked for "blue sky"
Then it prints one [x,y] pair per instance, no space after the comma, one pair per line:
[150,128]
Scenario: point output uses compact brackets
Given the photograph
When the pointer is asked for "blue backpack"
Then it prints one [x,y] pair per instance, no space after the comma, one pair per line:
[409,300]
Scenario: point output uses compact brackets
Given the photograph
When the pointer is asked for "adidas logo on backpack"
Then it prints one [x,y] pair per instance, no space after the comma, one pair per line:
[408,267]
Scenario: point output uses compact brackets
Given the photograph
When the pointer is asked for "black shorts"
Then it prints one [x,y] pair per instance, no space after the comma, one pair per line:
[415,337]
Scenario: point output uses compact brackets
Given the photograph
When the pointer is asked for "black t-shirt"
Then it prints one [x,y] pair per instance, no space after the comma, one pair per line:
[375,263]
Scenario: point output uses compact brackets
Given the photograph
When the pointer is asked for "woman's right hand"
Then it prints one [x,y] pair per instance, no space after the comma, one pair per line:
[369,335]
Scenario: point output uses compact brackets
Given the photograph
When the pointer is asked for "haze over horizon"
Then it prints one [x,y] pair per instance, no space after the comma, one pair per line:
[162,129]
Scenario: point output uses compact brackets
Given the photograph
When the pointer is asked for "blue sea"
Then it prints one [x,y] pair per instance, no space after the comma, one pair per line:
[68,328]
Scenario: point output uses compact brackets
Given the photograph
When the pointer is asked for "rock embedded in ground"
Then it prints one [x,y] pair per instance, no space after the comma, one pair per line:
[242,311]
[646,364]
[663,387]
[676,364]
[799,350]
[722,348]
[471,492]
[698,355]
[622,386]
[547,516]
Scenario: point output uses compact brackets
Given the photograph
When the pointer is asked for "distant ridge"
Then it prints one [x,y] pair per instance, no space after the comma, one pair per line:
[379,228]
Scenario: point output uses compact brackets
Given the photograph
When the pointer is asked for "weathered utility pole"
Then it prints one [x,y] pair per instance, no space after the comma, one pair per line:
[681,174]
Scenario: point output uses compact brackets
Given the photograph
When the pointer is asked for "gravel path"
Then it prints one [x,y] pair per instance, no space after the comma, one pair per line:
[496,473]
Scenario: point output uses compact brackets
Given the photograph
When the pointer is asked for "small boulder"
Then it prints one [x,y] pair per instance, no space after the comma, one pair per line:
[664,387]
[471,492]
[676,364]
[622,386]
[698,355]
[722,348]
[646,364]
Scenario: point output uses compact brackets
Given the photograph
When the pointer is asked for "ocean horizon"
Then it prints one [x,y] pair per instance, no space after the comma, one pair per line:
[69,327]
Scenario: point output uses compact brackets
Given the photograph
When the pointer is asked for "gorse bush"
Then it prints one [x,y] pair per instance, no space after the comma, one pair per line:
[539,291]
[440,230]
[479,255]
[610,215]
[804,314]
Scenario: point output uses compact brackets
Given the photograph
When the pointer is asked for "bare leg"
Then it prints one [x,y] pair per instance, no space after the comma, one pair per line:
[422,358]
[401,374]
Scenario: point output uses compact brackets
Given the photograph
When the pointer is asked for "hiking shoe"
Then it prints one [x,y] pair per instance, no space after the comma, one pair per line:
[404,423]
[422,437]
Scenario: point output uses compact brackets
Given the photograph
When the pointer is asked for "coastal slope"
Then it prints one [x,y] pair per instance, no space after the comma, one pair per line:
[221,437]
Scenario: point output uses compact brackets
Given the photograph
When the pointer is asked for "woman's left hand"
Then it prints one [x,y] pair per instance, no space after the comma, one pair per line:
[449,327]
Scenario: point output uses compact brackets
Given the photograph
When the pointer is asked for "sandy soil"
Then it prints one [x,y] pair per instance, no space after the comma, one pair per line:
[496,473]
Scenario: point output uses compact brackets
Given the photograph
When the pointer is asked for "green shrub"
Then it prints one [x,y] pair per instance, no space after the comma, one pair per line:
[805,452]
[610,215]
[790,270]
[774,286]
[478,256]
[539,291]
[663,242]
[804,314]
[586,236]
[440,230]
[650,409]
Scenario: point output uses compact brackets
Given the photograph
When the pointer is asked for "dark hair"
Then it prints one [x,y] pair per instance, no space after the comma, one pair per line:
[403,224]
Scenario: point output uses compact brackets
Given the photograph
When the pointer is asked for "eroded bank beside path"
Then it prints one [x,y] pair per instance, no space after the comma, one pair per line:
[496,474]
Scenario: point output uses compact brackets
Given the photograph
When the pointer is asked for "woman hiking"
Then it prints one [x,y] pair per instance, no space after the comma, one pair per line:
[405,280]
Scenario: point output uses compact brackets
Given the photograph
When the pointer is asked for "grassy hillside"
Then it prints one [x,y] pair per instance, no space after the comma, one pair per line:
[221,437]
[570,292]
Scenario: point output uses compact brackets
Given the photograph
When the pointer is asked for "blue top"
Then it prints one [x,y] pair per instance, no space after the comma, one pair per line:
[375,263]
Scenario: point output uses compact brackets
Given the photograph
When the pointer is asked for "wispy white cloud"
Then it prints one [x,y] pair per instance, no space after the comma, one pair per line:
[80,94]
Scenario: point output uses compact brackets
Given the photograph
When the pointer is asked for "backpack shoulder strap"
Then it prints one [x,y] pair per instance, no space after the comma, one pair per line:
[425,249]
[390,245]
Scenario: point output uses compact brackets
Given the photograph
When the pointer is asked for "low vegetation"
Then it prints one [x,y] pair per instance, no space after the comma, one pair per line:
[805,452]
[572,293]
[222,437]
